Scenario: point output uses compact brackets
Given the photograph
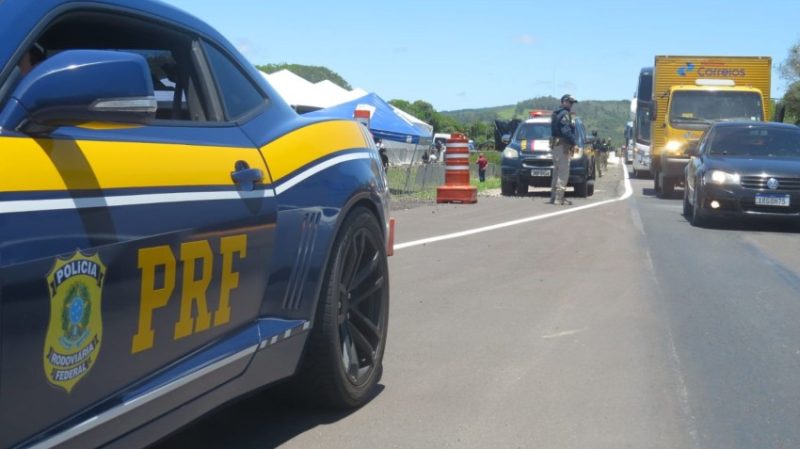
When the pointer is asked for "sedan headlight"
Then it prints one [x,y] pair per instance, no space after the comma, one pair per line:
[720,177]
[510,153]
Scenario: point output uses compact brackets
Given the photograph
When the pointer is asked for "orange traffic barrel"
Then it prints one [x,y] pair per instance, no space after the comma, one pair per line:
[456,188]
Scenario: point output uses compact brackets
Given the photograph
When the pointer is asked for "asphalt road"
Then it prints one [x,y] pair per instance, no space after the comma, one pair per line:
[612,326]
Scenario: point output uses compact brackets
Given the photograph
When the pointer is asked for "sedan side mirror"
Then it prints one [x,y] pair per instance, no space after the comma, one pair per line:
[78,86]
[506,138]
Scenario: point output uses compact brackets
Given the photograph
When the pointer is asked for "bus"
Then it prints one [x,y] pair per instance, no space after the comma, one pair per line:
[640,115]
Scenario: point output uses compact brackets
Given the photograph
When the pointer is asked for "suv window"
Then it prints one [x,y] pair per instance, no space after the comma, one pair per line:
[180,90]
[238,93]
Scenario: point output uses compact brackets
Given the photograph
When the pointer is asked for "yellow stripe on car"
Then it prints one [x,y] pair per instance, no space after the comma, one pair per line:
[52,165]
[305,145]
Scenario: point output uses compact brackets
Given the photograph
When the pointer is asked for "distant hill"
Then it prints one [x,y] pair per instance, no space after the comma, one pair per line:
[312,73]
[607,117]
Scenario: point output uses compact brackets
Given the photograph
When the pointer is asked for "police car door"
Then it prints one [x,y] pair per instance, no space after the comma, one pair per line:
[130,251]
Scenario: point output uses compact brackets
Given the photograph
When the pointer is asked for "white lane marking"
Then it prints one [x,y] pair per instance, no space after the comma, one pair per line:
[564,333]
[455,235]
[318,168]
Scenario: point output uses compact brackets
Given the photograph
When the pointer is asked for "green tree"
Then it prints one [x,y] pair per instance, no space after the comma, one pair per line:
[790,71]
[312,73]
[791,100]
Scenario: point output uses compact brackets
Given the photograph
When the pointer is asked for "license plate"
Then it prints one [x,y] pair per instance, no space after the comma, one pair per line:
[772,200]
[540,172]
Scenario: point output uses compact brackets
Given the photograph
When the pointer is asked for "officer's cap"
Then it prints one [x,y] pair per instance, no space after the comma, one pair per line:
[569,98]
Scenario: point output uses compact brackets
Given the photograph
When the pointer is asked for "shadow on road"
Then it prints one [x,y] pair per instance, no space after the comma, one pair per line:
[754,225]
[676,195]
[266,419]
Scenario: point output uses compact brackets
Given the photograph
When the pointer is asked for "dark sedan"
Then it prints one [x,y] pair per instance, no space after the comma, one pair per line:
[744,169]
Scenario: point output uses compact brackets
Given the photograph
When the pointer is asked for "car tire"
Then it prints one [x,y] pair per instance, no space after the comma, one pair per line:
[507,188]
[582,189]
[698,217]
[590,188]
[687,207]
[522,189]
[343,361]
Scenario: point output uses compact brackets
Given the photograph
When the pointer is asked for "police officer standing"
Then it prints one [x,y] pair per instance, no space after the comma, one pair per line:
[563,145]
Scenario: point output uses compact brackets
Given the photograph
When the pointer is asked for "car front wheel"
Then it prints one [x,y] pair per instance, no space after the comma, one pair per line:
[507,188]
[698,217]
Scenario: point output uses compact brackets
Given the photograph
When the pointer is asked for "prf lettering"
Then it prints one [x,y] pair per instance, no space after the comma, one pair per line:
[193,287]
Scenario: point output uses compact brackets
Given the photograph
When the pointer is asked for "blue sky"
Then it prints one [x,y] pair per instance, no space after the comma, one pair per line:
[472,54]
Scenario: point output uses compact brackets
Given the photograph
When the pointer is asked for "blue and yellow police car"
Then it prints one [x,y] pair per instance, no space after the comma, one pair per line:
[172,234]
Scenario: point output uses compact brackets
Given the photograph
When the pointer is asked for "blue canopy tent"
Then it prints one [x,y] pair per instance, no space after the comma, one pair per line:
[384,123]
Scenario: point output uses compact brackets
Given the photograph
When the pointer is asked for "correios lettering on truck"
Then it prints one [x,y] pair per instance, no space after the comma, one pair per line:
[713,71]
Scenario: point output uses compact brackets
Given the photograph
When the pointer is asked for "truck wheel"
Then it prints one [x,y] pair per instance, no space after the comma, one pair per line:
[507,188]
[667,188]
[343,360]
[657,182]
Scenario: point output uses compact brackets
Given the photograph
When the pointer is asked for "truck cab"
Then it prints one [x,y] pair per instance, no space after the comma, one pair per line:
[692,92]
[690,111]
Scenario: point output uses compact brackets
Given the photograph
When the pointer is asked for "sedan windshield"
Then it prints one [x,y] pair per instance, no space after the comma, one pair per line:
[532,131]
[757,141]
[693,107]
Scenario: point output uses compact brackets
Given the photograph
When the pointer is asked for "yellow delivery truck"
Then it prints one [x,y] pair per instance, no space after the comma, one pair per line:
[691,92]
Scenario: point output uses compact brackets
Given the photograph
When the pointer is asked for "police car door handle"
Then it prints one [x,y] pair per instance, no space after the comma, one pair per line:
[245,176]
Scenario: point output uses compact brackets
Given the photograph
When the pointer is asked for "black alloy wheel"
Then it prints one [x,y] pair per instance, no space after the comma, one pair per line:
[344,356]
[361,309]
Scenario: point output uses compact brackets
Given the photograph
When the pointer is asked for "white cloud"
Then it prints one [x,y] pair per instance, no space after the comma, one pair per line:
[525,39]
[250,49]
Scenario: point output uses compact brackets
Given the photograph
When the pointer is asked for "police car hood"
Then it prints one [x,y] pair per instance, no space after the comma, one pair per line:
[753,166]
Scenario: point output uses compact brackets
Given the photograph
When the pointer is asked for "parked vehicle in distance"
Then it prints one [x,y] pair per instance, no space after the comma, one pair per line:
[628,146]
[527,160]
[161,258]
[743,169]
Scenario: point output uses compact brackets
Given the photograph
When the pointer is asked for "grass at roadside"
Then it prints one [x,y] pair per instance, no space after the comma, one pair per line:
[428,194]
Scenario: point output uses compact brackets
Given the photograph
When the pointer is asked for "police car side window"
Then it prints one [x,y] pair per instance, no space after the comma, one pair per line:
[239,95]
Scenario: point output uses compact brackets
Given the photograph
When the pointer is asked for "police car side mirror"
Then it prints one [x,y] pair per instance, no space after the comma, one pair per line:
[506,138]
[78,86]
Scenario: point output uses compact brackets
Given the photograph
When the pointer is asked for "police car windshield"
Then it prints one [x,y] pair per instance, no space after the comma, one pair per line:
[756,141]
[532,131]
[702,107]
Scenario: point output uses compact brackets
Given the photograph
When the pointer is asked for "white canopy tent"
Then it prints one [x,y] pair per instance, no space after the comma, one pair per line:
[305,95]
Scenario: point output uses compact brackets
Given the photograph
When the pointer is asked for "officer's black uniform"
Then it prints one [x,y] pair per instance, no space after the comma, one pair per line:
[564,138]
